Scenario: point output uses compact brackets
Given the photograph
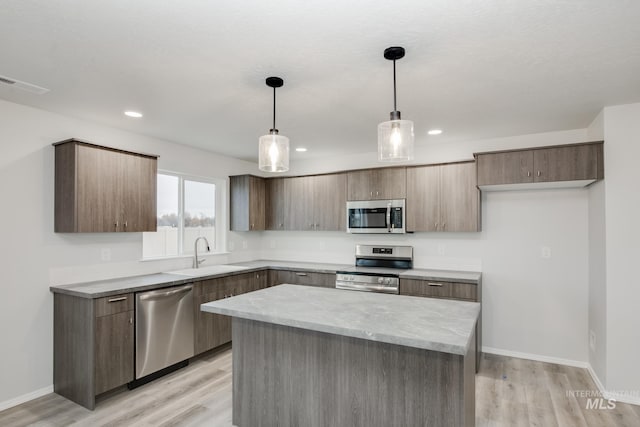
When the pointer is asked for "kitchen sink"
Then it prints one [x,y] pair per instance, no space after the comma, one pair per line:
[208,271]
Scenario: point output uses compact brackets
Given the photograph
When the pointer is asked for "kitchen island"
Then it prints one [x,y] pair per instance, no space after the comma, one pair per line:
[306,356]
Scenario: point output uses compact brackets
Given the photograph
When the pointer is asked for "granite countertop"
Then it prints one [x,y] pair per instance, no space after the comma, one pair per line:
[104,288]
[432,324]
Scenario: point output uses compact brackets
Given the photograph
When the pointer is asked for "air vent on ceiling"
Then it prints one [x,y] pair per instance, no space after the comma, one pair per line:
[38,90]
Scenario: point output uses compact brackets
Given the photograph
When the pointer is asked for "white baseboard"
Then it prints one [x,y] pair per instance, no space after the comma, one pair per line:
[618,397]
[536,357]
[26,397]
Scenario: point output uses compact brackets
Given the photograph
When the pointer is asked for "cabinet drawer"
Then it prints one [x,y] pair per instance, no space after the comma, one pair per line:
[113,304]
[326,280]
[436,289]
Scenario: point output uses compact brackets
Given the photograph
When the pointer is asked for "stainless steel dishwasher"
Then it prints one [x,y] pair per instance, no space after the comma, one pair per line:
[164,328]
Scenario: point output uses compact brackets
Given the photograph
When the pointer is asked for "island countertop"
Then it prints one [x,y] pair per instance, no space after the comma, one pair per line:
[440,325]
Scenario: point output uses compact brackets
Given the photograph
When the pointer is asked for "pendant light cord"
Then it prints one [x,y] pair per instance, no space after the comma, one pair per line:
[274,108]
[394,86]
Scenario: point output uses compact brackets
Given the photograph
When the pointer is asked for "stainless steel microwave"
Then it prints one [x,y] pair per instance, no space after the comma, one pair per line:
[376,216]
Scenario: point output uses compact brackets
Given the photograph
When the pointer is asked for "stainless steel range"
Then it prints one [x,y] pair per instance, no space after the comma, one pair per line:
[377,269]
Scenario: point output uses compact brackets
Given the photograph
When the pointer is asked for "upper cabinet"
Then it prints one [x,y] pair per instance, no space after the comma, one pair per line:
[247,203]
[575,165]
[443,198]
[274,204]
[315,202]
[377,184]
[100,189]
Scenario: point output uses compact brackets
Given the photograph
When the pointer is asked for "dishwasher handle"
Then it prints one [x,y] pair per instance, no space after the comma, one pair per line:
[160,294]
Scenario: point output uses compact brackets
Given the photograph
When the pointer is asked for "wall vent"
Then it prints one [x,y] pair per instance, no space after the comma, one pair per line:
[38,90]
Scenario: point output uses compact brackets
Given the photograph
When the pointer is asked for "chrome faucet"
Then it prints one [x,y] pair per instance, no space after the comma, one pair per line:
[196,262]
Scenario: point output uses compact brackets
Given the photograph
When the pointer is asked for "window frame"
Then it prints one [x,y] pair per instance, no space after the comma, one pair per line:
[220,244]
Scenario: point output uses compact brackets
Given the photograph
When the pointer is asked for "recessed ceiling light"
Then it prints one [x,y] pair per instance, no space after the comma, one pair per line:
[435,132]
[133,114]
[301,149]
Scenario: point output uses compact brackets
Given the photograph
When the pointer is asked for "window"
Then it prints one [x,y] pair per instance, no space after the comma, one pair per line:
[188,208]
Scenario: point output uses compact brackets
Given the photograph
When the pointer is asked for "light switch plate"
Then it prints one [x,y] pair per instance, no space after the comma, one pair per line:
[105,254]
[545,252]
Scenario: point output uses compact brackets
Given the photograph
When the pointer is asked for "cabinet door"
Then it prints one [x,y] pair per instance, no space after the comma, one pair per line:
[423,198]
[360,185]
[298,213]
[274,216]
[390,183]
[256,203]
[99,189]
[114,346]
[247,203]
[139,193]
[505,168]
[330,202]
[459,197]
[570,163]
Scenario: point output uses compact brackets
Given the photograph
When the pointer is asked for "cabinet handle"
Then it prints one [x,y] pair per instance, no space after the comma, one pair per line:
[434,284]
[444,225]
[117,299]
[538,173]
[376,193]
[131,320]
[251,226]
[280,225]
[116,225]
[301,274]
[125,224]
[528,173]
[436,225]
[371,193]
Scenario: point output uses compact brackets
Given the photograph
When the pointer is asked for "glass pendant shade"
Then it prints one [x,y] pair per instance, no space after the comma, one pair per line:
[273,153]
[395,141]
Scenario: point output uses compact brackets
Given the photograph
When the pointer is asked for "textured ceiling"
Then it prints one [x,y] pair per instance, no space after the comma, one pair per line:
[196,69]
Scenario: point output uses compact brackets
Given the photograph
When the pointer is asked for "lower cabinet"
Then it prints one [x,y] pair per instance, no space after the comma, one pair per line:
[93,348]
[213,330]
[325,280]
[448,290]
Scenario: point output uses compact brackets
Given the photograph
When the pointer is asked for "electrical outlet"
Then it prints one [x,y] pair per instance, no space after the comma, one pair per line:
[105,254]
[244,244]
[545,252]
[592,340]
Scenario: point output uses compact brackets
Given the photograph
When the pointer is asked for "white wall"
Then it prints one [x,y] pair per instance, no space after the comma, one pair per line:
[531,305]
[597,266]
[34,257]
[622,151]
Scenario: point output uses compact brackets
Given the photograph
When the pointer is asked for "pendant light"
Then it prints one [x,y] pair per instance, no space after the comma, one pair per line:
[395,137]
[273,152]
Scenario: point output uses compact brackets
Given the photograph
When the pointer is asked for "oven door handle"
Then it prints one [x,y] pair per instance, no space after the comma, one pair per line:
[389,217]
[367,288]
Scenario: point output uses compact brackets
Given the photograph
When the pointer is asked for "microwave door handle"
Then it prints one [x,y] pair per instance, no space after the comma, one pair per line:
[389,217]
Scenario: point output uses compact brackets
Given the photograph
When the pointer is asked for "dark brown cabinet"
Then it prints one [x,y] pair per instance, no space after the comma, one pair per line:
[294,277]
[578,162]
[100,189]
[247,203]
[448,290]
[377,184]
[213,330]
[274,215]
[443,198]
[93,345]
[316,202]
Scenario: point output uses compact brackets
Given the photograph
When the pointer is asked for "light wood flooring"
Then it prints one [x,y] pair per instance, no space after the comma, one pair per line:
[509,392]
